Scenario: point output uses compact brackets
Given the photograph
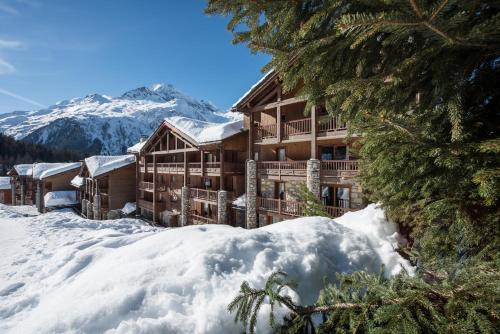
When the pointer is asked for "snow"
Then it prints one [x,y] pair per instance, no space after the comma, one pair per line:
[241,201]
[66,274]
[204,132]
[24,169]
[4,182]
[129,207]
[111,124]
[44,170]
[101,164]
[77,181]
[60,198]
[136,148]
[254,86]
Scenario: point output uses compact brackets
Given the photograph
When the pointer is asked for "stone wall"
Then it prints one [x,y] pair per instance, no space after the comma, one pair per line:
[222,207]
[185,206]
[251,194]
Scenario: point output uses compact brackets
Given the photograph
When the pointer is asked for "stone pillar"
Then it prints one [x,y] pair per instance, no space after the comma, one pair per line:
[23,193]
[89,210]
[84,207]
[185,206]
[39,197]
[97,207]
[313,176]
[222,207]
[13,187]
[251,194]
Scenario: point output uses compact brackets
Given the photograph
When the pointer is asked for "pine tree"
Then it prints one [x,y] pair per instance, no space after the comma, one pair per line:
[419,80]
[312,204]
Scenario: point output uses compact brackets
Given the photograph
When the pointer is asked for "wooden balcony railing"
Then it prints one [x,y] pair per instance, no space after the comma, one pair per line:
[212,167]
[145,204]
[203,194]
[289,208]
[266,131]
[147,186]
[296,128]
[200,220]
[331,124]
[279,168]
[169,167]
[334,211]
[328,166]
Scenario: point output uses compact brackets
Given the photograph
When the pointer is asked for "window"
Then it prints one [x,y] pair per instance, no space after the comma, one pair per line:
[327,153]
[340,153]
[280,190]
[281,154]
[327,195]
[342,197]
[206,209]
[256,156]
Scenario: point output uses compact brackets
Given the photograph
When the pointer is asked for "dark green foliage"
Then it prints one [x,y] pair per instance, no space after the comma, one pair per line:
[464,301]
[13,152]
[312,204]
[419,79]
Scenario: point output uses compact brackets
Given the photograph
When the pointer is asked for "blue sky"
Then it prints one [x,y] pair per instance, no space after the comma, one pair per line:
[52,50]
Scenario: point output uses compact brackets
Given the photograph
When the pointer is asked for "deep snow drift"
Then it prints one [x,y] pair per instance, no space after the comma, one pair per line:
[61,273]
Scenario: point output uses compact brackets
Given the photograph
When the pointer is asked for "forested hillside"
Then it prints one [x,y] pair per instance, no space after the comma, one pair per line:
[16,152]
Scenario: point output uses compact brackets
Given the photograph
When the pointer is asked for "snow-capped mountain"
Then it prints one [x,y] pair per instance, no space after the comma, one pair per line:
[106,125]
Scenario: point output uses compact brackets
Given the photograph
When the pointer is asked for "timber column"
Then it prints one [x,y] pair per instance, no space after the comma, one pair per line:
[222,207]
[313,176]
[97,207]
[23,193]
[185,206]
[251,194]
[89,210]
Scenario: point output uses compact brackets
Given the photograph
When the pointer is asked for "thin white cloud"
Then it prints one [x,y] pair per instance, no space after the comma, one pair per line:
[6,68]
[21,98]
[8,9]
[10,44]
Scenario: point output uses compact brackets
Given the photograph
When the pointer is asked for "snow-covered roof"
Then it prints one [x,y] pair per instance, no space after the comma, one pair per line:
[136,148]
[205,132]
[77,181]
[24,169]
[102,164]
[241,201]
[4,182]
[44,170]
[60,198]
[129,207]
[254,86]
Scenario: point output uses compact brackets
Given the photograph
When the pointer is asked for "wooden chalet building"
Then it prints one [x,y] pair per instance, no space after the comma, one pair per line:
[189,172]
[5,190]
[22,186]
[288,150]
[50,177]
[105,183]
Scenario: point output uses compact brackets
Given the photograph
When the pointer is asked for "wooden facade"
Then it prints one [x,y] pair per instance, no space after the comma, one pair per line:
[282,138]
[23,187]
[171,160]
[5,190]
[100,194]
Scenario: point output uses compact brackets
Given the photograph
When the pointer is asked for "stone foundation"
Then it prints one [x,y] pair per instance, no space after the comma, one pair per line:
[313,176]
[90,210]
[185,206]
[97,207]
[222,207]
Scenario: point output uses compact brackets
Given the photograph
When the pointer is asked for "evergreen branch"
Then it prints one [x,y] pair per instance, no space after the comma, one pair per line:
[415,8]
[438,10]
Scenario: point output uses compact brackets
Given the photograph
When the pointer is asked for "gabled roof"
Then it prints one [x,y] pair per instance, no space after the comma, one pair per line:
[22,170]
[201,132]
[268,77]
[77,181]
[44,170]
[102,164]
[137,147]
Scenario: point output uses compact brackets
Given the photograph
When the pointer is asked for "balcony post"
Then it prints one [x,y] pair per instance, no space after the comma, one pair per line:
[154,189]
[251,194]
[313,176]
[251,137]
[314,144]
[97,207]
[221,169]
[202,164]
[222,207]
[186,169]
[185,206]
[278,115]
[137,181]
[39,196]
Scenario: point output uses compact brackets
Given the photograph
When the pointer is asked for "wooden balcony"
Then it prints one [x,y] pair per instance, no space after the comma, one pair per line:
[282,168]
[289,208]
[296,209]
[203,195]
[339,167]
[200,220]
[299,129]
[145,204]
[195,168]
[146,186]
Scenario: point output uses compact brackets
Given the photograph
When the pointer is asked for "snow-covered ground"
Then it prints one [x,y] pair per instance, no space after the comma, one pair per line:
[60,273]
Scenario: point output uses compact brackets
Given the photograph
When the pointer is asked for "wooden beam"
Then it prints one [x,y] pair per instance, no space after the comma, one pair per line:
[202,163]
[282,103]
[222,183]
[154,188]
[186,169]
[168,140]
[181,150]
[314,143]
[268,96]
[278,116]
[250,137]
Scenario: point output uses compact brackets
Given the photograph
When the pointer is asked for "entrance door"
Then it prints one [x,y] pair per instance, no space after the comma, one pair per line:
[279,191]
[327,195]
[342,197]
